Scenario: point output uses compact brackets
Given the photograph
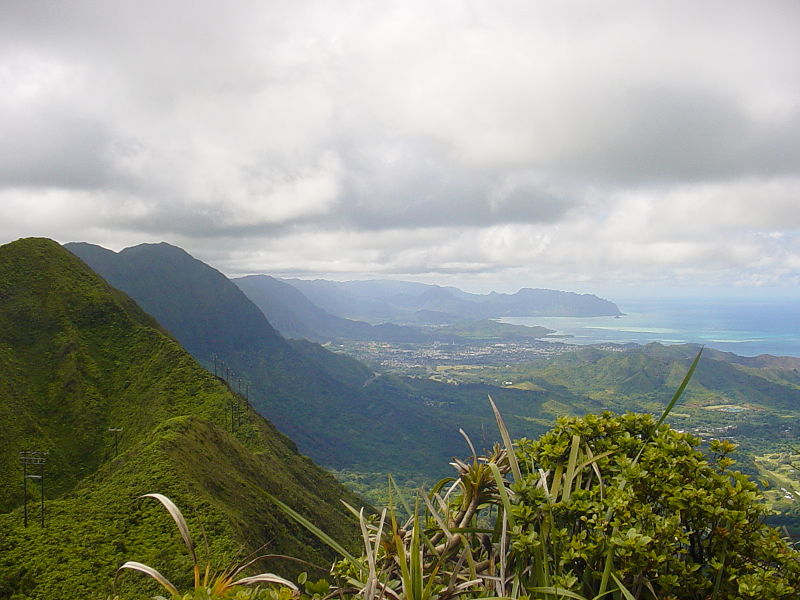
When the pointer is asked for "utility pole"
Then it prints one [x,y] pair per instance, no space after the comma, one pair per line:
[30,457]
[115,431]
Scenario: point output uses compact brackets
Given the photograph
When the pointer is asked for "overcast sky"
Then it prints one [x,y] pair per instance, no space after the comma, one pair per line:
[590,146]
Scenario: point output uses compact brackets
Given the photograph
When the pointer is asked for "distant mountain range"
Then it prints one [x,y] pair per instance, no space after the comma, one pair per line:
[346,416]
[295,316]
[79,358]
[405,302]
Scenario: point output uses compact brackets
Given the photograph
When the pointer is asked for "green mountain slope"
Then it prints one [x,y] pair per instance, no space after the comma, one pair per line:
[647,372]
[332,417]
[338,411]
[78,357]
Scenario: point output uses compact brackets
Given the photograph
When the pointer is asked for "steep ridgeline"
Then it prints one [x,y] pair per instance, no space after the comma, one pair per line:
[291,313]
[77,358]
[337,410]
[417,303]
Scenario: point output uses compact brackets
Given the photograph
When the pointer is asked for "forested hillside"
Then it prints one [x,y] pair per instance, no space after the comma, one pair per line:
[80,358]
[339,411]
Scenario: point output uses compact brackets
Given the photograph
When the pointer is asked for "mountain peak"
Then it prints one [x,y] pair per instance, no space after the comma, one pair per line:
[77,358]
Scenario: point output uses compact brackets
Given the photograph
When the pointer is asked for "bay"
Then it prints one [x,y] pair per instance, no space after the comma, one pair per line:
[744,326]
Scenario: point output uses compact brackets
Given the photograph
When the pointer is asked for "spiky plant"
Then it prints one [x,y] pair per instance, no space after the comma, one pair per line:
[472,534]
[212,584]
[616,507]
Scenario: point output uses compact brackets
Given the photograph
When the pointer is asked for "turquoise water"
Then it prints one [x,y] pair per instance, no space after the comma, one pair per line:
[747,327]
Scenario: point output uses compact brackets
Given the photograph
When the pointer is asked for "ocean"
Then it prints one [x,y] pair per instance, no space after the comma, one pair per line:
[744,326]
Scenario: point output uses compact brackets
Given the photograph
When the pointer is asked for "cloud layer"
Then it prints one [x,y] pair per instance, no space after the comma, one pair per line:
[520,143]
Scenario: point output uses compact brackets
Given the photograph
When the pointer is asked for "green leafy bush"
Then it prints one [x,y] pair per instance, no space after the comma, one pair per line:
[602,506]
[673,523]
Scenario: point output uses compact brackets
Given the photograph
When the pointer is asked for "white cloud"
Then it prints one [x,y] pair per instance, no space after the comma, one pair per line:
[534,141]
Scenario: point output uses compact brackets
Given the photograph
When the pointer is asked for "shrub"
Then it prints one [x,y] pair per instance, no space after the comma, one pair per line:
[602,506]
[668,520]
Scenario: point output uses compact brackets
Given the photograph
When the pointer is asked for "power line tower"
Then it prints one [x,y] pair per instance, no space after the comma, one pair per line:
[115,431]
[32,458]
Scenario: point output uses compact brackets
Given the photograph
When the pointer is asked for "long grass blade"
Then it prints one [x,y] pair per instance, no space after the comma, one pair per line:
[512,457]
[501,488]
[557,477]
[675,397]
[266,578]
[372,578]
[249,563]
[177,516]
[557,591]
[416,561]
[622,588]
[402,560]
[137,566]
[501,588]
[321,535]
[609,561]
[681,388]
[469,443]
[592,460]
[437,517]
[569,476]
[399,494]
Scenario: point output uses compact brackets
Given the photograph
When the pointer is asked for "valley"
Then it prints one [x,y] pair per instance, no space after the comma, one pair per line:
[456,362]
[81,357]
[365,408]
[755,407]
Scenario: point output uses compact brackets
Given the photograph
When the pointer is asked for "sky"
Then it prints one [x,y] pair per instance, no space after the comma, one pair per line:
[609,147]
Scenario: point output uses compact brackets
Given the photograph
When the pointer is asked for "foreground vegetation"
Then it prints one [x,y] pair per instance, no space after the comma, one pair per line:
[603,506]
[752,402]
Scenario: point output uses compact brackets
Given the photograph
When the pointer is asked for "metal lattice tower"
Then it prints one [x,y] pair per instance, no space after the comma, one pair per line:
[32,458]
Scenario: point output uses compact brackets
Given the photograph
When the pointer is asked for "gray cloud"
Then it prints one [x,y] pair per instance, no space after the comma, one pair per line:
[402,137]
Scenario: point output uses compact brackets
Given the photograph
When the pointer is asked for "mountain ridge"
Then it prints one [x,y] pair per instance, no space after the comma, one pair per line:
[332,406]
[295,316]
[80,357]
[399,301]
